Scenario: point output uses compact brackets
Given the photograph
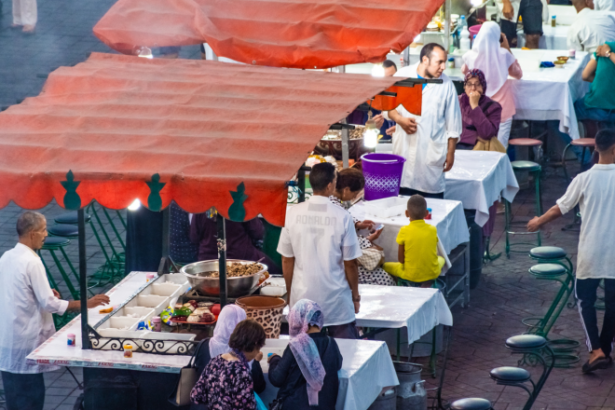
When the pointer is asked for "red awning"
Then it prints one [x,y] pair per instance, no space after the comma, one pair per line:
[160,130]
[285,33]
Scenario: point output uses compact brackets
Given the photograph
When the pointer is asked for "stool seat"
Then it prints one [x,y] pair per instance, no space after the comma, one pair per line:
[547,269]
[55,242]
[63,230]
[71,218]
[525,142]
[526,342]
[525,166]
[584,142]
[510,374]
[548,252]
[471,404]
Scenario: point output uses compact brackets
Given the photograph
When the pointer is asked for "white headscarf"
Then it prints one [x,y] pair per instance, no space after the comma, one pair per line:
[488,56]
[227,321]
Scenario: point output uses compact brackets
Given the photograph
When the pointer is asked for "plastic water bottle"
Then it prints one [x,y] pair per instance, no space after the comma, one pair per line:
[464,40]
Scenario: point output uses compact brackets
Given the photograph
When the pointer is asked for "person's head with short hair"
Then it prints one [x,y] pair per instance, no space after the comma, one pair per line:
[248,338]
[350,183]
[417,208]
[390,68]
[32,229]
[322,179]
[605,145]
[432,60]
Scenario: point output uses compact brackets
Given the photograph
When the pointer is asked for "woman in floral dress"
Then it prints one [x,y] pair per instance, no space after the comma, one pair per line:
[226,383]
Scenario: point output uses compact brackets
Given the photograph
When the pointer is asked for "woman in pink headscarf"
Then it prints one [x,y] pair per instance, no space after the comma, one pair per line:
[307,372]
[491,54]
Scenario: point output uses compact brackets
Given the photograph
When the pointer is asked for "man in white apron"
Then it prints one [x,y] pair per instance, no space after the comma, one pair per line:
[428,141]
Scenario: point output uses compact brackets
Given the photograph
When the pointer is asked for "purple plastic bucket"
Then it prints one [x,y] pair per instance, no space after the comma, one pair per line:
[382,174]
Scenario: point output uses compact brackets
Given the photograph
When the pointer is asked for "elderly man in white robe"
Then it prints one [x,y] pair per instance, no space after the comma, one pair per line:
[428,141]
[27,303]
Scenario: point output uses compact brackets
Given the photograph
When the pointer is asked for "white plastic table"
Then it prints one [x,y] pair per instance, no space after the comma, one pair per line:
[366,369]
[478,179]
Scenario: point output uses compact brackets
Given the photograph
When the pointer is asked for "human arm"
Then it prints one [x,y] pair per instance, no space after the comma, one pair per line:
[258,377]
[450,155]
[538,221]
[94,301]
[351,269]
[589,72]
[285,248]
[351,250]
[487,122]
[372,237]
[279,367]
[504,42]
[401,253]
[48,299]
[508,11]
[453,124]
[379,120]
[367,224]
[407,124]
[515,70]
[563,205]
[288,270]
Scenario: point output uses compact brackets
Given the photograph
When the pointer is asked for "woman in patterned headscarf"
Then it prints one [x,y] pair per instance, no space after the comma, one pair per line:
[307,372]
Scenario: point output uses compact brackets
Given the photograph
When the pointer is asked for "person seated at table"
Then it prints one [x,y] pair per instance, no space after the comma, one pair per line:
[226,383]
[480,115]
[591,28]
[241,238]
[349,185]
[307,372]
[209,348]
[599,104]
[491,54]
[418,248]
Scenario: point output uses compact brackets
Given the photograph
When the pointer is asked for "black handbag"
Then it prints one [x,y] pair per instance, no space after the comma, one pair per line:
[188,376]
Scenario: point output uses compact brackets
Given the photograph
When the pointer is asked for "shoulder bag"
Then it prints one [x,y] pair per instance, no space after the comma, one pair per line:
[188,377]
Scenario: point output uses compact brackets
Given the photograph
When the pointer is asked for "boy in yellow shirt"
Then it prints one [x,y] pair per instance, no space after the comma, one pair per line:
[418,247]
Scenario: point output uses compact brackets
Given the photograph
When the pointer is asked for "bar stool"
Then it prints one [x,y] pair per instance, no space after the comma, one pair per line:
[471,404]
[536,170]
[585,143]
[538,349]
[525,142]
[71,218]
[552,254]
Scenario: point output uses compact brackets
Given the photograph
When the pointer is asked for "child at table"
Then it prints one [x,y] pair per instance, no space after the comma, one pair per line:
[418,248]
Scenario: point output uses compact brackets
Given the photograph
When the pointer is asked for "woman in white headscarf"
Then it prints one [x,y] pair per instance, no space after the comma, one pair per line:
[491,54]
[218,344]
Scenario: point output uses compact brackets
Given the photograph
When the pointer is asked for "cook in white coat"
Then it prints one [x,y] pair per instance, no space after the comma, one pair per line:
[26,303]
[428,141]
[319,248]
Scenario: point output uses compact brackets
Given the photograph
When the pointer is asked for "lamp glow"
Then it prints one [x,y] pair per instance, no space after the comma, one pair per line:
[370,133]
[378,70]
[476,3]
[136,204]
[145,52]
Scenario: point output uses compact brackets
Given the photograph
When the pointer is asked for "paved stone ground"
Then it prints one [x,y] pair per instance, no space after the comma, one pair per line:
[506,294]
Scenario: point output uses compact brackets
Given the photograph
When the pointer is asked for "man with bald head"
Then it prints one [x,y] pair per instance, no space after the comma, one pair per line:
[27,303]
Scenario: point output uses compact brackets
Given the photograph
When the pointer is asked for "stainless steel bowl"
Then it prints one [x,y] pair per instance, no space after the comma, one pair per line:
[205,285]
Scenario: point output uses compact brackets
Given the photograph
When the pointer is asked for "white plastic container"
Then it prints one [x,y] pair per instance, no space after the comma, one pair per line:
[152,301]
[123,323]
[164,289]
[386,207]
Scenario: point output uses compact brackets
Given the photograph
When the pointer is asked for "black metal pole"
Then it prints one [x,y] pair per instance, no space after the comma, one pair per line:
[83,281]
[222,258]
[301,184]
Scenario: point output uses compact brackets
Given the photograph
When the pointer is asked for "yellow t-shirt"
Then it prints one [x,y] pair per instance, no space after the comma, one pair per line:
[420,242]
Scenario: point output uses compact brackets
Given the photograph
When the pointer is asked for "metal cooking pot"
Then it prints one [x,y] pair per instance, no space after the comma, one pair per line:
[206,285]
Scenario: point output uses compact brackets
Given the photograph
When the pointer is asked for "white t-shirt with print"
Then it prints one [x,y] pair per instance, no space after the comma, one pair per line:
[594,192]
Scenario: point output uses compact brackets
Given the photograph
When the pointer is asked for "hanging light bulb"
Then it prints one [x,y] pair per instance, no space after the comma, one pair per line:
[378,70]
[370,133]
[145,52]
[136,204]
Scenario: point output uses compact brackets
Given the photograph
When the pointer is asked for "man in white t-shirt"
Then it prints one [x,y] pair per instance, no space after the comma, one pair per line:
[594,192]
[591,28]
[319,248]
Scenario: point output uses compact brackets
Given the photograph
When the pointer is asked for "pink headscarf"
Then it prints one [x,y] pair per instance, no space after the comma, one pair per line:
[302,315]
[488,56]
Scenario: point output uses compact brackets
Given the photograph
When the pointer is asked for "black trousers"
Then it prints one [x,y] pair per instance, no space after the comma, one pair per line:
[586,295]
[24,391]
[409,192]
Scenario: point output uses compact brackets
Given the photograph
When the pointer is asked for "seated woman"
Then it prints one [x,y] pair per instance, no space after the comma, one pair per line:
[491,54]
[226,383]
[240,239]
[480,115]
[307,372]
[228,319]
[350,183]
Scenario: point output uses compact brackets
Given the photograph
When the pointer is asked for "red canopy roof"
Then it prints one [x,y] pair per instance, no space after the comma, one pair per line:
[119,123]
[283,33]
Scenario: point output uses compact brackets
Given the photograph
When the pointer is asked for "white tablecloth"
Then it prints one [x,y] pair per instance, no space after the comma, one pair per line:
[546,93]
[478,179]
[553,38]
[367,368]
[447,217]
[394,307]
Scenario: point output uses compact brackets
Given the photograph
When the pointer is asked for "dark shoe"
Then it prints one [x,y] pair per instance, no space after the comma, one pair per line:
[601,363]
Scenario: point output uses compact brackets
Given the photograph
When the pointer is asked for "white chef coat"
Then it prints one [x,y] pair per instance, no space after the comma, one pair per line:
[604,5]
[321,236]
[425,151]
[26,305]
[591,29]
[594,191]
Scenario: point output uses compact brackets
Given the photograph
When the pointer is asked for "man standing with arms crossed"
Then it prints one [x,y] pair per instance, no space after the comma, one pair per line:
[27,303]
[319,248]
[594,192]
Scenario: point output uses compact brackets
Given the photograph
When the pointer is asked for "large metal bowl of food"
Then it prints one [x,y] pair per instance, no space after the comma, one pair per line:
[242,276]
[331,144]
